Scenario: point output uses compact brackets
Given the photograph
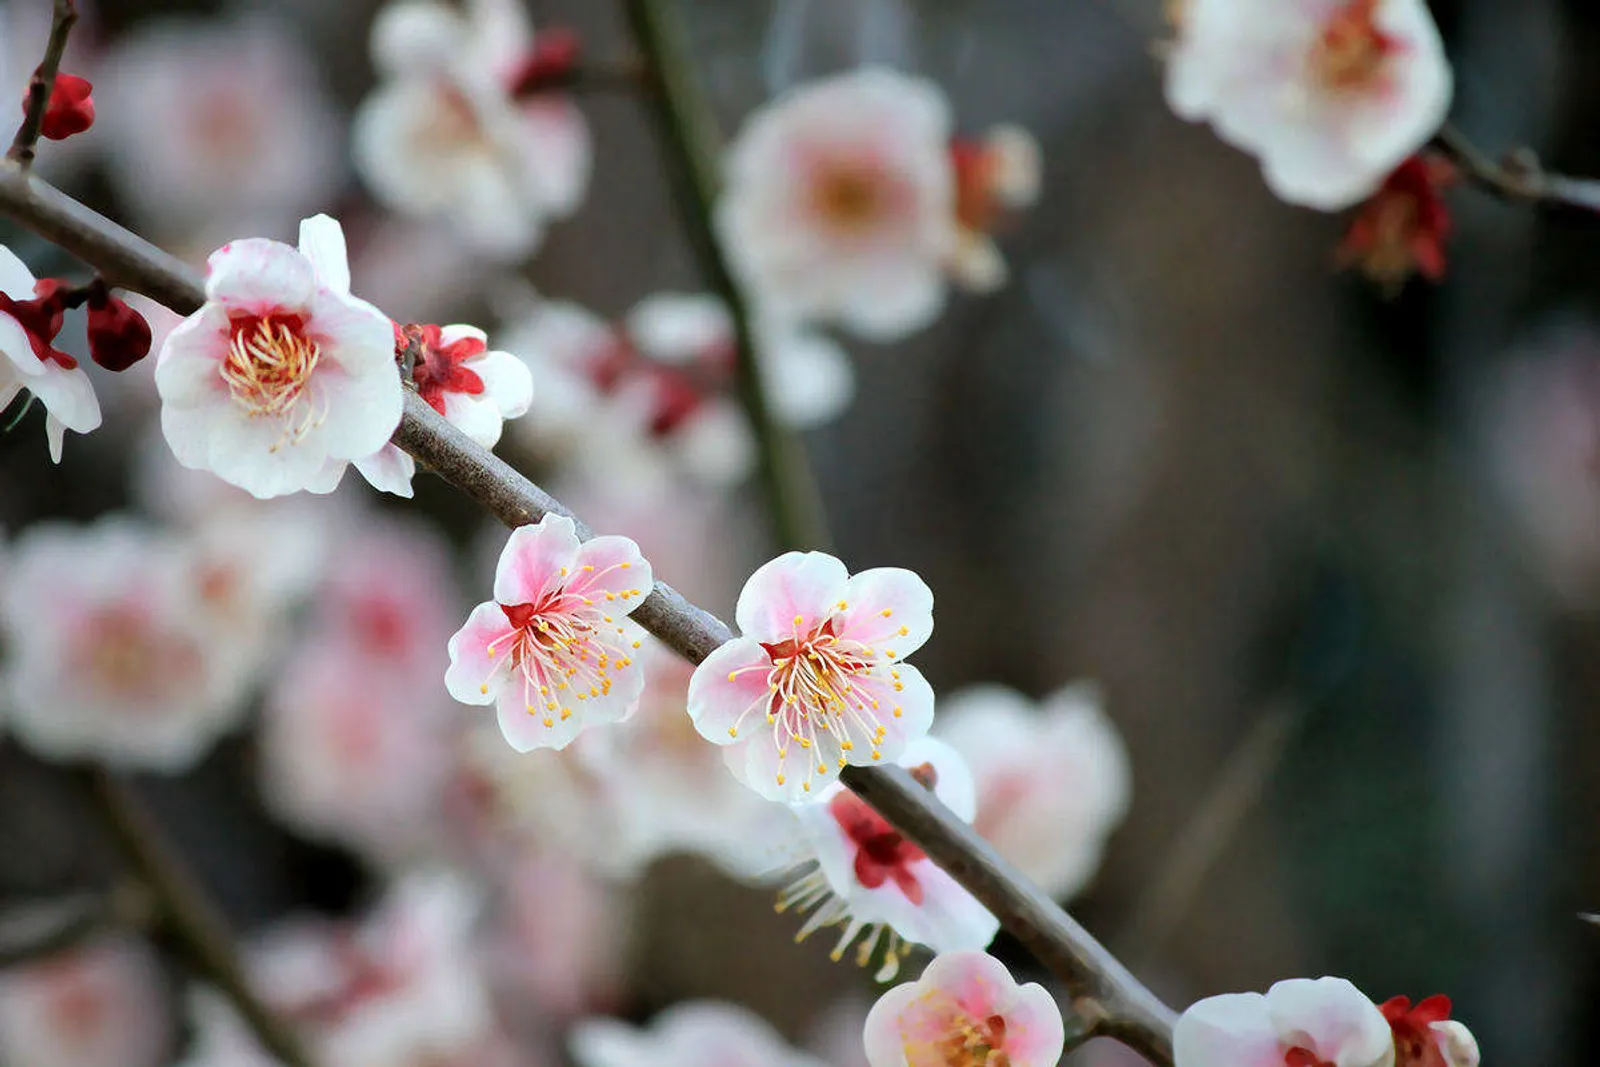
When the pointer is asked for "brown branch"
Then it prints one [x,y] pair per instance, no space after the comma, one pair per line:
[42,84]
[1518,177]
[189,913]
[1111,1000]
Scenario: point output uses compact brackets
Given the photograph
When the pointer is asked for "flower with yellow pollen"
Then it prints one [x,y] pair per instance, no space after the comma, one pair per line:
[965,1011]
[554,650]
[818,678]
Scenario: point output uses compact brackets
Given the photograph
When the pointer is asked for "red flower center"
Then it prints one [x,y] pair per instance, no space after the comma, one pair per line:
[1415,1044]
[882,854]
[269,364]
[439,367]
[1351,54]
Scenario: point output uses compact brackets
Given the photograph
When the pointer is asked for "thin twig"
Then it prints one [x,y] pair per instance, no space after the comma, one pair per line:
[1112,1001]
[1518,177]
[189,913]
[42,84]
[689,140]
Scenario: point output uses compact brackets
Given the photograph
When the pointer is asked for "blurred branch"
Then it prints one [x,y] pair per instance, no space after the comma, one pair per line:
[1516,177]
[188,912]
[42,84]
[689,139]
[1110,1001]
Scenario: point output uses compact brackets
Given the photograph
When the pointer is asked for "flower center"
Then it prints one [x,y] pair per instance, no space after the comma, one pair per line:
[269,365]
[974,1043]
[565,648]
[848,198]
[125,656]
[1351,54]
[1304,1057]
[439,369]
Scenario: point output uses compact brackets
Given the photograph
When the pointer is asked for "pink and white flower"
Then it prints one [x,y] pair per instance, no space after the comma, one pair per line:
[1053,778]
[473,386]
[1331,95]
[839,203]
[817,679]
[282,377]
[868,878]
[965,1011]
[97,1005]
[28,362]
[450,133]
[110,654]
[553,649]
[1300,1022]
[689,1034]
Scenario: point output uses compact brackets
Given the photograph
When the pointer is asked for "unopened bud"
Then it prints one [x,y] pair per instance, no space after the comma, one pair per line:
[119,336]
[70,110]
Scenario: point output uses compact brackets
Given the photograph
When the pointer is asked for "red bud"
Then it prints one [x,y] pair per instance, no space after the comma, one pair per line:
[70,110]
[119,336]
[552,60]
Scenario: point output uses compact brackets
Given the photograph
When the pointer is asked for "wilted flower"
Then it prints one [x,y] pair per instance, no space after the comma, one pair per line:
[965,1011]
[689,1034]
[817,671]
[101,1004]
[1300,1022]
[553,648]
[30,318]
[1331,95]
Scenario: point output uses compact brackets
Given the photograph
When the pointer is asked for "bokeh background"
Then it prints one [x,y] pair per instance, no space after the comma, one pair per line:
[1332,554]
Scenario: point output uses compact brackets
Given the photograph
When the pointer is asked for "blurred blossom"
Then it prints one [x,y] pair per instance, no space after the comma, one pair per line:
[30,318]
[995,174]
[965,1011]
[1402,229]
[110,651]
[1331,97]
[451,133]
[209,121]
[221,1038]
[1052,778]
[283,377]
[1300,1022]
[101,1004]
[690,1034]
[868,878]
[554,649]
[817,670]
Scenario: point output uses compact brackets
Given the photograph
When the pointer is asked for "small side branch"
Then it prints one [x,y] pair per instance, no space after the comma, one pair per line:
[1518,177]
[43,82]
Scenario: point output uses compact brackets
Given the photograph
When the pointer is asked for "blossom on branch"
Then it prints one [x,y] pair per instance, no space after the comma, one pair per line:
[1331,95]
[1401,230]
[817,679]
[70,109]
[1426,1036]
[457,131]
[965,1011]
[1300,1022]
[690,1034]
[462,379]
[870,879]
[554,650]
[283,376]
[31,314]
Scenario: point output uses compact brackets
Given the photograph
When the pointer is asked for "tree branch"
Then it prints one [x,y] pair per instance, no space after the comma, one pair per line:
[1518,177]
[1111,1001]
[42,84]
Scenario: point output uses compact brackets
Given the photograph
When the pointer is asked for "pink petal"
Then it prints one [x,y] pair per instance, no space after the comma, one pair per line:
[949,919]
[914,700]
[885,1042]
[611,565]
[716,703]
[259,277]
[524,727]
[1332,1018]
[1231,1030]
[534,558]
[187,366]
[471,667]
[901,593]
[804,584]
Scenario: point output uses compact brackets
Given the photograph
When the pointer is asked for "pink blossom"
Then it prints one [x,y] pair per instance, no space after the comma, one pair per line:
[1052,776]
[868,878]
[29,363]
[473,386]
[98,1005]
[449,134]
[1300,1022]
[110,653]
[221,1038]
[839,203]
[553,649]
[965,1011]
[282,376]
[690,1034]
[818,672]
[1331,95]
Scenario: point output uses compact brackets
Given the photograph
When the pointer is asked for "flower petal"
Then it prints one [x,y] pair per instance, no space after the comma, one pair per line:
[188,367]
[1231,1030]
[259,277]
[727,684]
[807,585]
[611,567]
[1332,1018]
[472,675]
[389,470]
[534,559]
[322,242]
[891,609]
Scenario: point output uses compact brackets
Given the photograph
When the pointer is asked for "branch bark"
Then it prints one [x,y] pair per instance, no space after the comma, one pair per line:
[1110,1000]
[1518,177]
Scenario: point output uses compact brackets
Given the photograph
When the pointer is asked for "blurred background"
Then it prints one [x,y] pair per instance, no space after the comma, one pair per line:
[1331,554]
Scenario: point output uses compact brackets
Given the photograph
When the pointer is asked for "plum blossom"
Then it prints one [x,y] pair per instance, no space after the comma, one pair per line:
[868,878]
[100,1004]
[1331,95]
[1052,778]
[465,381]
[453,133]
[1402,229]
[197,118]
[1300,1022]
[110,654]
[818,671]
[282,377]
[553,649]
[29,321]
[1426,1036]
[689,1034]
[993,176]
[965,1011]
